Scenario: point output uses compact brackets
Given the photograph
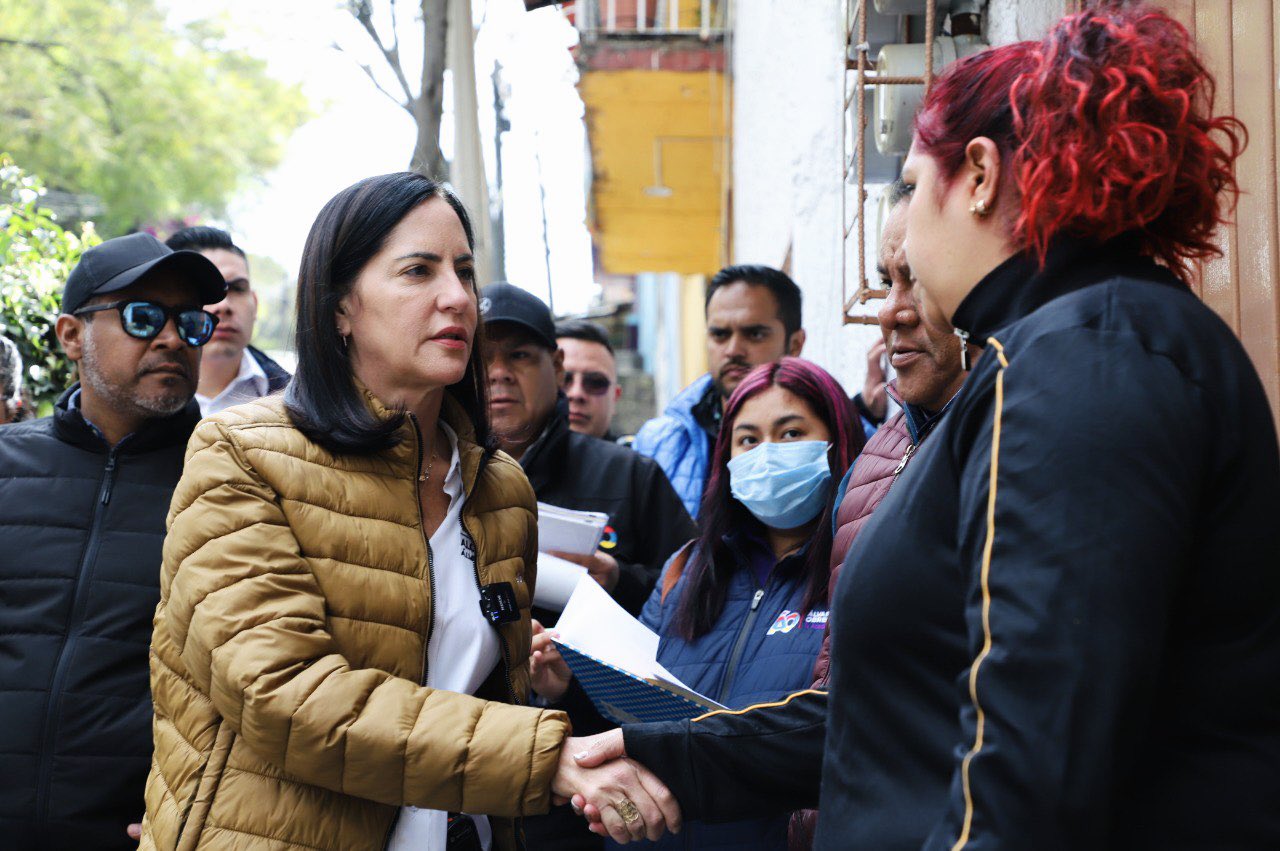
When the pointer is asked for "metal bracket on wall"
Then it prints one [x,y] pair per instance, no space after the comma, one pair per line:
[859,65]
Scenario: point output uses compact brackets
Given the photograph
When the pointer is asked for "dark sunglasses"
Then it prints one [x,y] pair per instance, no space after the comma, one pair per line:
[595,383]
[146,319]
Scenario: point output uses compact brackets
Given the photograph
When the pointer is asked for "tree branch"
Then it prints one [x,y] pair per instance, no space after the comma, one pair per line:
[427,158]
[37,45]
[362,11]
[407,107]
[395,32]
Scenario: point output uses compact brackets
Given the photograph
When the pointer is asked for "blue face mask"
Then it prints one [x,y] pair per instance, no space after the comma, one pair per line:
[783,484]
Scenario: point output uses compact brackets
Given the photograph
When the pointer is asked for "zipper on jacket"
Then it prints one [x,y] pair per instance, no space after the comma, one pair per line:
[906,456]
[54,703]
[739,646]
[426,540]
[964,347]
[431,585]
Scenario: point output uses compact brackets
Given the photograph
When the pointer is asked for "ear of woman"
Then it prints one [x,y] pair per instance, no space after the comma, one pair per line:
[958,228]
[982,158]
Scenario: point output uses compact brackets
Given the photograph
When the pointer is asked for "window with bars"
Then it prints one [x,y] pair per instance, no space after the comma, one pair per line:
[648,18]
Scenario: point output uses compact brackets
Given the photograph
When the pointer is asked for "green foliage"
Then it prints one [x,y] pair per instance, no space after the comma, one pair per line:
[102,98]
[276,289]
[36,255]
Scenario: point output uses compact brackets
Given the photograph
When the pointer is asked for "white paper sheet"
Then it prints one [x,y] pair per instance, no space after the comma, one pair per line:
[556,580]
[596,625]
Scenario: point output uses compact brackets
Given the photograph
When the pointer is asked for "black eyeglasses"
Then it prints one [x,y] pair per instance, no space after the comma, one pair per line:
[146,319]
[595,383]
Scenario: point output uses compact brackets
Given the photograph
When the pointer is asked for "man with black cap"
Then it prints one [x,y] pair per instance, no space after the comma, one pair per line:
[647,522]
[83,499]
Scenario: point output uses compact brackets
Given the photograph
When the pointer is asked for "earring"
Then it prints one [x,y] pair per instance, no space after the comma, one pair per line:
[345,340]
[979,208]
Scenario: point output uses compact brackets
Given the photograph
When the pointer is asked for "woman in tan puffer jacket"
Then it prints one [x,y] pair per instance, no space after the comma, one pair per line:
[343,630]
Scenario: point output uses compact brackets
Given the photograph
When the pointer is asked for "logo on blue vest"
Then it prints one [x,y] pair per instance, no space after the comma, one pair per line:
[785,622]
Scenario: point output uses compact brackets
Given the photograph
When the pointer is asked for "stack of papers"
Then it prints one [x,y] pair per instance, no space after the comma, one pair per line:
[564,530]
[614,658]
[567,531]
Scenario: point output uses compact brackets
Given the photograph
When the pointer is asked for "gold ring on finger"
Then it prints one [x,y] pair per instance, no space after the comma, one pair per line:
[626,809]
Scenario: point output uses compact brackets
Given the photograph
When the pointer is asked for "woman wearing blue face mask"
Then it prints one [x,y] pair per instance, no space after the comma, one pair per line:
[741,609]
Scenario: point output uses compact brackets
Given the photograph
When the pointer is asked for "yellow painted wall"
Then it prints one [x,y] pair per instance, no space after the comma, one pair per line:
[630,113]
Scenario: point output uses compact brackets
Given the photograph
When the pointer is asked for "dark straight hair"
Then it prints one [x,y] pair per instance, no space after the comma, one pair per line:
[322,398]
[713,564]
[776,281]
[204,238]
[585,330]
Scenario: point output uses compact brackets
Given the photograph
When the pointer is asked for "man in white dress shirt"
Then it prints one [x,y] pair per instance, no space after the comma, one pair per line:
[232,371]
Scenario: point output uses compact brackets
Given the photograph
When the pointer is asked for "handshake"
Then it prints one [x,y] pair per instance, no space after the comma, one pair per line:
[619,797]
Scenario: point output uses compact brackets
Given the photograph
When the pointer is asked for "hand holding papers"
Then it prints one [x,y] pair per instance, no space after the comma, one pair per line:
[568,531]
[614,658]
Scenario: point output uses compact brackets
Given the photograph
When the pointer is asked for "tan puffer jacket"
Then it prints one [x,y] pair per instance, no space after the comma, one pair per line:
[291,635]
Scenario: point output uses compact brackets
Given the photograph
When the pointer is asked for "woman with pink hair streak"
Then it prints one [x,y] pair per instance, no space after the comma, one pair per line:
[741,609]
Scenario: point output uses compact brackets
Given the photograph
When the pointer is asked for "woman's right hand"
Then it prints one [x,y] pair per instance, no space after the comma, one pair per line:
[595,775]
[547,668]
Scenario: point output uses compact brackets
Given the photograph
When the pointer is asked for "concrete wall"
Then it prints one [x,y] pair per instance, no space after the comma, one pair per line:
[1019,20]
[787,60]
[788,84]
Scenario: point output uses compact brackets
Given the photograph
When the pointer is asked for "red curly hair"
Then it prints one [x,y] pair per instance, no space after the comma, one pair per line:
[1105,128]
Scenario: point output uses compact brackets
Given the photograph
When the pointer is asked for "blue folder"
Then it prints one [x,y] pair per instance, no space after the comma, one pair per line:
[625,698]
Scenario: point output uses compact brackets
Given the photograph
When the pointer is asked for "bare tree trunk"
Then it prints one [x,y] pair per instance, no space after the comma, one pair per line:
[429,104]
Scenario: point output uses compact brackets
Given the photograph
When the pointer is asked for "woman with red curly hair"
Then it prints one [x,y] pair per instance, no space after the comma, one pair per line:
[1061,629]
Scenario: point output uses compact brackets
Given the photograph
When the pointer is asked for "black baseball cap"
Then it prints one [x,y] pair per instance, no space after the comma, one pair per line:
[503,302]
[119,262]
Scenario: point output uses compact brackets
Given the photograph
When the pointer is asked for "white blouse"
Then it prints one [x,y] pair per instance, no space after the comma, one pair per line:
[463,649]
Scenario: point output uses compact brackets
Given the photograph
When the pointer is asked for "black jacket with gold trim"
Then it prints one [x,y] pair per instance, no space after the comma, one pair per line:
[1061,629]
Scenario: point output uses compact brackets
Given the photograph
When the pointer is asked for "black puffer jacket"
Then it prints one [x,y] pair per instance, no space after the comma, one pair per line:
[81,526]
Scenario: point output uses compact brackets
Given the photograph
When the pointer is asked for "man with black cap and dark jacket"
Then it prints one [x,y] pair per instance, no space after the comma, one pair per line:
[647,521]
[83,499]
[528,413]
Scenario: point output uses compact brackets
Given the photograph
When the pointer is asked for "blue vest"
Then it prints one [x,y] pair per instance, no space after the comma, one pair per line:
[762,648]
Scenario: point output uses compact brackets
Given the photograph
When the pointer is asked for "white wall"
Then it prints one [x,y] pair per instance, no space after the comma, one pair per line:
[1018,20]
[787,60]
[788,89]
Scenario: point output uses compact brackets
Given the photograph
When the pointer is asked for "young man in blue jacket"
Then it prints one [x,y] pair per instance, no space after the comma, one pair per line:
[753,317]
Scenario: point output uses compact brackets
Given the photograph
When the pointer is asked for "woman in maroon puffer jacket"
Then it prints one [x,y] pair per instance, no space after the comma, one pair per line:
[928,363]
